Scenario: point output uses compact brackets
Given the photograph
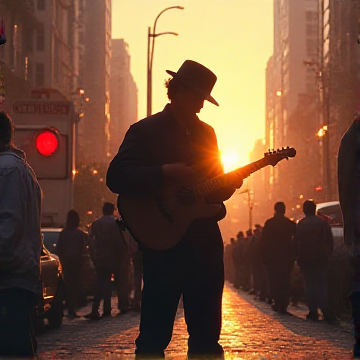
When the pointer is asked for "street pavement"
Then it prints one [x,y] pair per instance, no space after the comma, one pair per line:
[251,330]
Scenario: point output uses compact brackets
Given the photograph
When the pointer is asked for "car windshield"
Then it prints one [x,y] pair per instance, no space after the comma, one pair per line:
[50,240]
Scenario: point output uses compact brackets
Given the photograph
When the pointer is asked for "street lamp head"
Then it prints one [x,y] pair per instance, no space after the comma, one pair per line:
[180,7]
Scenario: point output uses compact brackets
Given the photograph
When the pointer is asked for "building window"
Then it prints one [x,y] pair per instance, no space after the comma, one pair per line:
[41,4]
[311,47]
[311,29]
[40,39]
[312,16]
[39,75]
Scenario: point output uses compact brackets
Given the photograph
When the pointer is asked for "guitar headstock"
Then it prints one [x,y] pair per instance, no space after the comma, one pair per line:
[274,156]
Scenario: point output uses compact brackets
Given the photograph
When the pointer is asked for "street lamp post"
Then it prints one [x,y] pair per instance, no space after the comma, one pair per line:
[150,54]
[249,204]
[323,132]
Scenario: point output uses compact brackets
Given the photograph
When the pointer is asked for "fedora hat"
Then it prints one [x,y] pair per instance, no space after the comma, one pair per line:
[198,77]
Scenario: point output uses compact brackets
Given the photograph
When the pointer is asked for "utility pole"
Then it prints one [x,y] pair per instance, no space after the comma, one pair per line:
[249,205]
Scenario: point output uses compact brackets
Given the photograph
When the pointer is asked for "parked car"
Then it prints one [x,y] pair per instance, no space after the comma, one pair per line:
[332,211]
[50,303]
[88,274]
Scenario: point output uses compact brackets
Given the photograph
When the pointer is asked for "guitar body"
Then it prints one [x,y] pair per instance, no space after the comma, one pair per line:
[160,222]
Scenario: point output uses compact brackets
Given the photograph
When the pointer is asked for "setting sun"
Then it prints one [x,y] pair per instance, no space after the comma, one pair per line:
[230,160]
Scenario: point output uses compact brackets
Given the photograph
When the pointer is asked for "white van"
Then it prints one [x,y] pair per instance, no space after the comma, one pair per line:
[332,210]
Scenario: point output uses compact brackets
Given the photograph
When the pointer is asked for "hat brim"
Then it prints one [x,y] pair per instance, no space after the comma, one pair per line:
[206,96]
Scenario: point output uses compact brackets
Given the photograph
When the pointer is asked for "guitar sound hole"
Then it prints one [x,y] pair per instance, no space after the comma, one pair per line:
[186,196]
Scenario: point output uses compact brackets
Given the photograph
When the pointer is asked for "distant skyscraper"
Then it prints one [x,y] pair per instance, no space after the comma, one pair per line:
[94,75]
[340,59]
[293,99]
[123,90]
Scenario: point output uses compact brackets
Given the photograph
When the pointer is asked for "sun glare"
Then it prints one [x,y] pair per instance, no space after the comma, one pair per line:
[230,160]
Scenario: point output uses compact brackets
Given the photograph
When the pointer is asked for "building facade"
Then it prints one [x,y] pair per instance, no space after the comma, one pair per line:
[94,80]
[340,59]
[16,68]
[293,102]
[123,90]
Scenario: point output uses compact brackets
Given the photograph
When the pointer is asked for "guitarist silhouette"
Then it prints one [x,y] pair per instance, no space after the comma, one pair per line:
[160,174]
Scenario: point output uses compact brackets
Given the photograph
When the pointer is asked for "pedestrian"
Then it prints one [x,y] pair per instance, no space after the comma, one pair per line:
[70,249]
[238,259]
[20,247]
[349,197]
[229,264]
[108,251]
[245,263]
[123,273]
[278,256]
[170,146]
[258,270]
[137,273]
[314,245]
[232,249]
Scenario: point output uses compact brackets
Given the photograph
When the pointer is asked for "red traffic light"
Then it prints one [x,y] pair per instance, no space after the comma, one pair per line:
[46,143]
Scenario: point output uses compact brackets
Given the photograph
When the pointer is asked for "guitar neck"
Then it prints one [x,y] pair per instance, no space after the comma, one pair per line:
[223,180]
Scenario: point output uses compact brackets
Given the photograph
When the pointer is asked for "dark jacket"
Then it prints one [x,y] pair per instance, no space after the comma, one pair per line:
[157,140]
[108,248]
[20,214]
[349,155]
[314,241]
[71,246]
[277,241]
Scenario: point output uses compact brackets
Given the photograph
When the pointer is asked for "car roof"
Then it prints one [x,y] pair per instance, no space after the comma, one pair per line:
[51,229]
[326,204]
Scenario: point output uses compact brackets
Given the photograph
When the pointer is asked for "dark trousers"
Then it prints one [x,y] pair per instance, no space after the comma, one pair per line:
[17,336]
[72,278]
[122,284]
[279,276]
[316,287]
[200,281]
[138,277]
[260,278]
[355,300]
[103,291]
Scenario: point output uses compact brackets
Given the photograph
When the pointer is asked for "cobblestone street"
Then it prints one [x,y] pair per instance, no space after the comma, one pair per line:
[251,330]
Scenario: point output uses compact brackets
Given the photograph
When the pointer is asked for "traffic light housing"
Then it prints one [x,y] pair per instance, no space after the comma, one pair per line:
[46,151]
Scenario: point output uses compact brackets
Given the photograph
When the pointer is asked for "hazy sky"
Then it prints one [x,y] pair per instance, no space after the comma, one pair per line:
[233,38]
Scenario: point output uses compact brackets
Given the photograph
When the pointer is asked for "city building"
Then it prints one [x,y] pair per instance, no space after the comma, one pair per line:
[123,90]
[16,68]
[51,65]
[340,60]
[258,195]
[293,101]
[94,80]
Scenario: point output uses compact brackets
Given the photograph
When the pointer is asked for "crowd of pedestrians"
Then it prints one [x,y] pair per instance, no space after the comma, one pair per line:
[275,262]
[116,259]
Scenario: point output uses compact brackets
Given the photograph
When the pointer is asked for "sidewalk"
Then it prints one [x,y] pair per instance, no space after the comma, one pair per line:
[251,330]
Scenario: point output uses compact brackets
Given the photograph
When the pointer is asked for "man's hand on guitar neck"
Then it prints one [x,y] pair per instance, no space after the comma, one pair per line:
[179,172]
[236,181]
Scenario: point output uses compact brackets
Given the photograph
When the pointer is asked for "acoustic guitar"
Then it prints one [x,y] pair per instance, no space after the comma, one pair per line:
[160,221]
